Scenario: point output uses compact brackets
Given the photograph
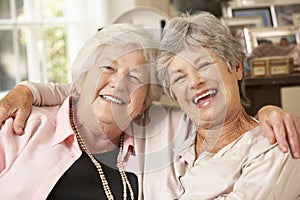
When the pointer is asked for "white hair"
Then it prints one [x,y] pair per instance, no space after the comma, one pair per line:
[192,31]
[129,37]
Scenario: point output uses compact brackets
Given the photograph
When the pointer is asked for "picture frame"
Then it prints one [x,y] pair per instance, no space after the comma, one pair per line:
[296,20]
[267,13]
[285,12]
[272,35]
[247,21]
[238,26]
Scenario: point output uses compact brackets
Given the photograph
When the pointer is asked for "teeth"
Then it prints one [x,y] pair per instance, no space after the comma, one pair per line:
[210,92]
[112,99]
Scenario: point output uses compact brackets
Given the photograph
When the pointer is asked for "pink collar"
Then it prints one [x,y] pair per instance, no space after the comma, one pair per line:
[64,131]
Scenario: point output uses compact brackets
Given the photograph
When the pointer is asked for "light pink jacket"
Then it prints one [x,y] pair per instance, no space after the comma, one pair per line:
[31,164]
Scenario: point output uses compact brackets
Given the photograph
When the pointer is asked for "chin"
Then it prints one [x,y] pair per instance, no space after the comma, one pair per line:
[209,118]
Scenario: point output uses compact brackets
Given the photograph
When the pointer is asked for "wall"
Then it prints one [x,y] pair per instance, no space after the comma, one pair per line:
[163,5]
[86,17]
[290,99]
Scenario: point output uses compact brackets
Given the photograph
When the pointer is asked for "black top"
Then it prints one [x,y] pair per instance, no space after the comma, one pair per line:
[82,181]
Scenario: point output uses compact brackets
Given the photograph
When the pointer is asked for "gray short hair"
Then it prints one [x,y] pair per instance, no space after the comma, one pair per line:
[128,36]
[199,29]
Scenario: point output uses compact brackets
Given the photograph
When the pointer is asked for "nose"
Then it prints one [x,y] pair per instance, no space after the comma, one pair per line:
[117,80]
[195,79]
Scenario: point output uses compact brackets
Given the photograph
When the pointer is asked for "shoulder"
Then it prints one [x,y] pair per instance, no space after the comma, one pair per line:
[39,129]
[264,172]
[43,115]
[252,145]
[40,118]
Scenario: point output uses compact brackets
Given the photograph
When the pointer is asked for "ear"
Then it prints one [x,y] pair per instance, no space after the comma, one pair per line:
[239,71]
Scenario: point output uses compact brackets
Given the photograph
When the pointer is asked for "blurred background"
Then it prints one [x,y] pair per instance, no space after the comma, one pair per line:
[39,39]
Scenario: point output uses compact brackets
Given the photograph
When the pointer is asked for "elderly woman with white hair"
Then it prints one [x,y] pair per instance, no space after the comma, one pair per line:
[170,130]
[76,151]
[224,154]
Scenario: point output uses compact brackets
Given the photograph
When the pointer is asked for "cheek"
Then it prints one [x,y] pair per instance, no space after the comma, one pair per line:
[137,101]
[95,82]
[211,72]
[102,81]
[139,95]
[180,91]
[102,86]
[230,85]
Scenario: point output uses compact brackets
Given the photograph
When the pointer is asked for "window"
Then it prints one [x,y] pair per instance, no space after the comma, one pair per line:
[39,39]
[33,42]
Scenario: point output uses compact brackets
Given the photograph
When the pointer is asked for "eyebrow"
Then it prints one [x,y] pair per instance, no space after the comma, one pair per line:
[207,59]
[174,71]
[138,70]
[108,61]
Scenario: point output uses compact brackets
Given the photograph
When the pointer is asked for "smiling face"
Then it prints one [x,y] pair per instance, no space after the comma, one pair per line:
[114,91]
[203,86]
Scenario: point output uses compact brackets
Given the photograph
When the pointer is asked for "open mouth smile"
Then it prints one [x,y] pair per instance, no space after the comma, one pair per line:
[209,94]
[112,99]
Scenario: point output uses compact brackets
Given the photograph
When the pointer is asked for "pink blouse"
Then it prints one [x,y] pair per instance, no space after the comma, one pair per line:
[31,164]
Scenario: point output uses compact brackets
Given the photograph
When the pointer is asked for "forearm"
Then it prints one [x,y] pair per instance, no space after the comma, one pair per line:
[48,94]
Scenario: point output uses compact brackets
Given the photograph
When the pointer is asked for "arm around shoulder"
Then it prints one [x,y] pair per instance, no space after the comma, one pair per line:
[48,94]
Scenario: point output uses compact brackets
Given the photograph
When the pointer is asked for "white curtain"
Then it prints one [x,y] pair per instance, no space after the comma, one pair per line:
[85,17]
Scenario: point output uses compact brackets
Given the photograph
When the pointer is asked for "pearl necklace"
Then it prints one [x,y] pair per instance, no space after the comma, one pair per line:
[125,181]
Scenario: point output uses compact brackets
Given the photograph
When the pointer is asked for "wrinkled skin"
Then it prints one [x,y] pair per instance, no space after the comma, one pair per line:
[16,104]
[282,127]
[277,125]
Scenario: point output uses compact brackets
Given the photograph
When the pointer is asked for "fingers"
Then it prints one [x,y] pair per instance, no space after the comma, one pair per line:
[266,119]
[297,126]
[284,126]
[20,120]
[292,125]
[268,132]
[281,134]
[4,112]
[17,103]
[276,128]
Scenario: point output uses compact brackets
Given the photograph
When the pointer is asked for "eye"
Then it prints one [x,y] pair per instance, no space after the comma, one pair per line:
[138,76]
[203,66]
[134,78]
[107,68]
[177,77]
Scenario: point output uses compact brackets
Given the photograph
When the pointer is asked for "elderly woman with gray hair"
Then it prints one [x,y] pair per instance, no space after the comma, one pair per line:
[77,151]
[224,155]
[171,135]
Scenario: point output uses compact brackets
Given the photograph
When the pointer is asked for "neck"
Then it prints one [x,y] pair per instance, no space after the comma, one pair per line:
[98,142]
[214,139]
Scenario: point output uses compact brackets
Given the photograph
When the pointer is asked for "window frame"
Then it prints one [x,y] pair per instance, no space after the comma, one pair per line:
[32,22]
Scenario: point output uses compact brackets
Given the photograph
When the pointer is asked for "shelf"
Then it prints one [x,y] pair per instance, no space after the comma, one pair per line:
[283,80]
[267,90]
